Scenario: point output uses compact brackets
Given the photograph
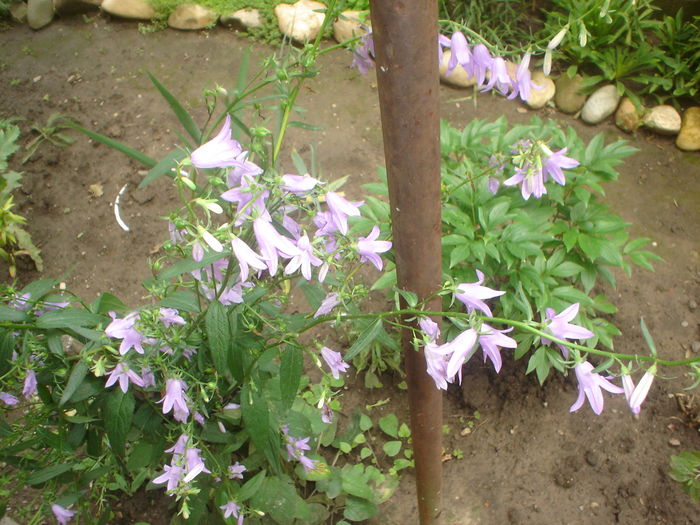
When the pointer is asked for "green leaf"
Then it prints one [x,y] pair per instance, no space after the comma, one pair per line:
[647,337]
[48,473]
[11,314]
[107,302]
[256,416]
[217,326]
[122,148]
[358,509]
[68,319]
[391,448]
[119,412]
[164,166]
[567,269]
[390,425]
[290,374]
[368,335]
[181,300]
[251,487]
[187,265]
[387,279]
[182,115]
[355,482]
[76,378]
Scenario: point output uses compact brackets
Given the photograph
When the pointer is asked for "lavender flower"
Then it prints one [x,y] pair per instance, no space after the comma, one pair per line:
[29,388]
[219,152]
[147,377]
[231,508]
[246,258]
[523,82]
[62,515]
[308,464]
[172,475]
[472,295]
[500,79]
[272,244]
[436,365]
[482,63]
[329,302]
[175,399]
[363,55]
[194,465]
[430,327]
[531,179]
[341,209]
[170,316]
[299,184]
[460,53]
[369,248]
[123,374]
[326,414]
[554,163]
[458,350]
[8,399]
[490,340]
[304,259]
[335,362]
[559,326]
[236,471]
[589,386]
[125,330]
[197,251]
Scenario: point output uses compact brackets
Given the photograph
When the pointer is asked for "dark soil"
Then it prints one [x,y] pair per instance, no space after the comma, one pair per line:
[527,460]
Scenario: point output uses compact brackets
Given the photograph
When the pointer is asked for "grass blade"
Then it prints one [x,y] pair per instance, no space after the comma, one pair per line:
[115,144]
[180,112]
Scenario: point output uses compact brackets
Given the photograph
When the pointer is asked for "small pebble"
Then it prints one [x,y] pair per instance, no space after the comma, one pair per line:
[674,442]
[695,347]
[692,305]
[595,504]
[684,324]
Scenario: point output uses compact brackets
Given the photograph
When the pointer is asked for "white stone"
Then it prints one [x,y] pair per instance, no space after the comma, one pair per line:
[301,21]
[664,120]
[543,94]
[349,25]
[458,77]
[39,13]
[18,12]
[247,18]
[600,105]
[134,9]
[191,16]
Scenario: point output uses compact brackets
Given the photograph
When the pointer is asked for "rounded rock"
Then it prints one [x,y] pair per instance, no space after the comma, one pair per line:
[663,120]
[627,118]
[300,21]
[133,9]
[191,17]
[600,105]
[349,25]
[246,18]
[543,93]
[688,138]
[39,13]
[568,97]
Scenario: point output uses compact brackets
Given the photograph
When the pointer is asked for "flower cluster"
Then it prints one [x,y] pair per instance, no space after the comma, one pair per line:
[186,464]
[296,450]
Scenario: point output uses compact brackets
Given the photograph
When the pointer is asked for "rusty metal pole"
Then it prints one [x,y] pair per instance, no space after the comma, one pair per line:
[406,48]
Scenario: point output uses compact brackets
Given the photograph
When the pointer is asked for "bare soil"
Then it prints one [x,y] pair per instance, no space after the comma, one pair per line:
[527,460]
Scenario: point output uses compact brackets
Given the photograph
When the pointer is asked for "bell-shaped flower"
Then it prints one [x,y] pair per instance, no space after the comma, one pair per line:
[473,294]
[369,248]
[335,362]
[460,53]
[125,330]
[329,302]
[62,515]
[340,209]
[636,395]
[490,339]
[299,184]
[272,245]
[589,387]
[554,163]
[560,327]
[30,384]
[246,258]
[175,399]
[124,375]
[304,259]
[523,81]
[500,79]
[482,63]
[219,152]
[459,349]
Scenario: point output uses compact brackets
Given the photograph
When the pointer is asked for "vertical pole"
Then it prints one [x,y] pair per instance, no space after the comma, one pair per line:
[406,49]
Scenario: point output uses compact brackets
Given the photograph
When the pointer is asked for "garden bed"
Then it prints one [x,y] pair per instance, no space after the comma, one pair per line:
[526,460]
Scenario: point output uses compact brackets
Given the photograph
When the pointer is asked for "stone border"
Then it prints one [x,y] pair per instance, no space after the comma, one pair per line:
[302,21]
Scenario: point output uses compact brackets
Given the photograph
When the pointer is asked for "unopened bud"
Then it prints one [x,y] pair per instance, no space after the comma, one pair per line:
[554,42]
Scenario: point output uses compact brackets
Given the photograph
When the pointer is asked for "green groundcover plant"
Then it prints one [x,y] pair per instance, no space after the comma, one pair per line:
[220,391]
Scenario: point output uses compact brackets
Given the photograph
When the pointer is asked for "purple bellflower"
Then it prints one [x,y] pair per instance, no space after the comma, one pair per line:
[590,385]
[304,258]
[335,362]
[62,515]
[341,209]
[436,365]
[194,465]
[329,302]
[369,248]
[172,475]
[29,388]
[170,316]
[473,294]
[560,327]
[175,399]
[299,184]
[246,258]
[490,340]
[231,508]
[272,244]
[8,399]
[431,328]
[523,82]
[531,180]
[124,375]
[326,414]
[458,350]
[363,55]
[236,471]
[554,163]
[219,152]
[124,329]
[460,54]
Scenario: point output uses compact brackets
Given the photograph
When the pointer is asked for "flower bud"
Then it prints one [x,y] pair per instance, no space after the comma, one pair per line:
[554,42]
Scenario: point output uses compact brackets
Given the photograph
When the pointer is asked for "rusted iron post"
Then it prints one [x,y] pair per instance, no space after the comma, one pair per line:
[406,48]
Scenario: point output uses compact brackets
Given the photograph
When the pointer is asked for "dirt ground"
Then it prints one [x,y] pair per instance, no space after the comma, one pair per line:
[528,460]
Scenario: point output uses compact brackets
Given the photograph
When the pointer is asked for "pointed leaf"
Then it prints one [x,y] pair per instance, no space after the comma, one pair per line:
[180,112]
[114,144]
[290,374]
[119,412]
